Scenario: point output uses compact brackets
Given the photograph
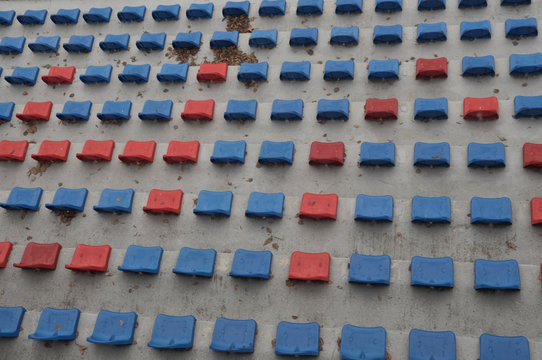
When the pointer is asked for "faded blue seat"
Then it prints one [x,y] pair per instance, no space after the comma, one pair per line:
[297,339]
[75,111]
[310,7]
[142,259]
[173,332]
[526,64]
[264,205]
[135,73]
[237,336]
[115,42]
[23,199]
[98,15]
[79,43]
[339,70]
[333,109]
[253,72]
[426,109]
[156,110]
[45,44]
[23,76]
[490,210]
[236,8]
[263,38]
[6,17]
[527,106]
[374,208]
[251,264]
[348,7]
[431,209]
[97,74]
[436,272]
[384,69]
[304,37]
[299,71]
[217,203]
[241,110]
[388,34]
[68,200]
[224,39]
[431,32]
[115,201]
[173,73]
[115,111]
[200,11]
[114,328]
[486,155]
[431,5]
[33,17]
[363,343]
[369,269]
[463,4]
[496,275]
[493,347]
[287,109]
[12,45]
[6,110]
[432,154]
[187,40]
[66,16]
[471,30]
[132,13]
[521,27]
[344,35]
[381,154]
[197,262]
[515,2]
[431,345]
[272,8]
[276,152]
[478,66]
[11,319]
[388,5]
[166,12]
[150,41]
[229,152]
[57,324]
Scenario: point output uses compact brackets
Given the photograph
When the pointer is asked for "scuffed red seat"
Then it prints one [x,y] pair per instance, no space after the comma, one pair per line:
[5,250]
[480,108]
[164,202]
[212,72]
[532,155]
[138,151]
[319,206]
[40,256]
[90,258]
[381,109]
[59,75]
[95,150]
[432,68]
[309,266]
[13,150]
[53,151]
[182,151]
[198,110]
[326,153]
[36,111]
[536,211]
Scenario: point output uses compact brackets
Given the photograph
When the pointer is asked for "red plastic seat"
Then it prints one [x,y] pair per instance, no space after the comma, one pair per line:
[212,72]
[182,151]
[59,75]
[326,153]
[164,202]
[198,110]
[13,150]
[432,68]
[381,109]
[95,150]
[90,258]
[53,151]
[309,266]
[536,211]
[532,155]
[319,206]
[138,151]
[40,256]
[5,250]
[39,111]
[480,108]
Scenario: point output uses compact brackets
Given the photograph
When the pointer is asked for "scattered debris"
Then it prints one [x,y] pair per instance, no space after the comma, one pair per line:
[233,56]
[239,23]
[511,245]
[183,55]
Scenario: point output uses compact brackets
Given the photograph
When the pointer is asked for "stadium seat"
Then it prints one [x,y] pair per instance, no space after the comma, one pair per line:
[431,32]
[374,208]
[23,76]
[39,256]
[98,15]
[200,11]
[297,339]
[519,28]
[263,38]
[27,199]
[115,201]
[138,152]
[90,258]
[493,347]
[287,109]
[135,73]
[229,152]
[182,152]
[214,203]
[156,110]
[491,210]
[251,264]
[478,66]
[164,202]
[198,110]
[432,154]
[369,269]
[115,111]
[79,44]
[532,155]
[142,259]
[68,200]
[236,8]
[150,41]
[480,108]
[253,72]
[33,17]
[66,16]
[13,150]
[431,109]
[276,152]
[486,155]
[471,30]
[496,275]
[173,73]
[304,37]
[11,319]
[339,70]
[173,332]
[57,324]
[132,13]
[97,74]
[431,209]
[114,328]
[434,345]
[59,75]
[241,110]
[187,40]
[196,262]
[333,109]
[95,150]
[115,42]
[12,45]
[348,7]
[323,153]
[264,205]
[234,336]
[381,109]
[166,12]
[45,44]
[309,266]
[53,151]
[5,250]
[377,154]
[272,8]
[435,272]
[527,106]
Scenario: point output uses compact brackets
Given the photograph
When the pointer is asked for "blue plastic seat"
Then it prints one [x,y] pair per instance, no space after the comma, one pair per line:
[132,13]
[287,109]
[299,71]
[173,332]
[115,42]
[515,28]
[66,16]
[150,41]
[6,110]
[339,70]
[431,345]
[471,30]
[431,32]
[166,12]
[251,264]
[310,7]
[187,40]
[68,200]
[478,66]
[264,205]
[526,64]
[490,210]
[436,272]
[493,347]
[333,109]
[32,17]
[374,208]
[197,262]
[115,111]
[253,72]
[241,110]
[229,152]
[463,4]
[431,5]
[304,37]
[75,111]
[363,343]
[217,203]
[381,154]
[298,339]
[348,7]
[276,152]
[98,15]
[236,8]
[431,209]
[156,110]
[224,39]
[6,17]
[272,8]
[369,269]
[142,259]
[57,324]
[79,43]
[344,35]
[528,106]
[23,199]
[173,73]
[515,2]
[236,336]
[23,76]
[12,45]
[425,109]
[388,5]
[114,328]
[384,69]
[200,11]
[388,34]
[496,275]
[432,154]
[135,73]
[263,38]
[11,319]
[45,44]
[486,155]
[97,74]
[115,201]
